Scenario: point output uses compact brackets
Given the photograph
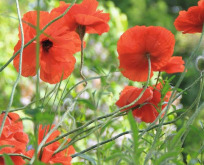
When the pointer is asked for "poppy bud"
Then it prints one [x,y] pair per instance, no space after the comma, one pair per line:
[200,63]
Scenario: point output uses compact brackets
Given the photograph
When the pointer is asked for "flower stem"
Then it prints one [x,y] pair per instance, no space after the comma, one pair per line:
[20,68]
[81,32]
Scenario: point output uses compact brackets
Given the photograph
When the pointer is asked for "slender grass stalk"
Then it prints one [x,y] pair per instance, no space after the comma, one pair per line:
[187,88]
[38,76]
[88,79]
[75,140]
[197,109]
[57,91]
[62,94]
[20,68]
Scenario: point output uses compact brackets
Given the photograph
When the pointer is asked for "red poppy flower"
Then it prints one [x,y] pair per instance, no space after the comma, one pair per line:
[174,65]
[130,93]
[57,46]
[138,42]
[192,20]
[148,105]
[150,110]
[46,156]
[13,138]
[85,16]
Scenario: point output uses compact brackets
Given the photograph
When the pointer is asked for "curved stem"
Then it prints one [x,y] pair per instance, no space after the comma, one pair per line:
[20,68]
[82,62]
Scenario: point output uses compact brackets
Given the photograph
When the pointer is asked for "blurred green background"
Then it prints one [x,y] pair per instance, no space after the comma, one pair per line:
[101,58]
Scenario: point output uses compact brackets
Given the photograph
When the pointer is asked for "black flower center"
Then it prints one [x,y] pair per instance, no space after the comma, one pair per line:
[46,44]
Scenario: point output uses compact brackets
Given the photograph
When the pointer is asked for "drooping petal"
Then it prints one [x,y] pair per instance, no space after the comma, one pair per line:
[174,65]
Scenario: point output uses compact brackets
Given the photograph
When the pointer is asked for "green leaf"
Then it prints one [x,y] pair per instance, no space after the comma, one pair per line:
[113,68]
[7,160]
[45,117]
[114,156]
[176,139]
[38,114]
[165,157]
[90,159]
[88,103]
[105,126]
[135,136]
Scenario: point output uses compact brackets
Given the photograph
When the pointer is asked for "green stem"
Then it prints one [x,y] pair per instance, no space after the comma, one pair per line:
[77,129]
[20,68]
[88,79]
[75,140]
[99,144]
[21,155]
[22,108]
[82,61]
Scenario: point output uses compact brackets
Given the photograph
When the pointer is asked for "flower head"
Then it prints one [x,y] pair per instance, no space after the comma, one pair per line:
[148,106]
[192,20]
[13,137]
[57,46]
[200,63]
[85,16]
[151,109]
[139,42]
[130,93]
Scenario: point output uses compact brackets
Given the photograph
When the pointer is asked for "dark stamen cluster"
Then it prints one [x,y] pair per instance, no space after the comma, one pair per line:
[46,44]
